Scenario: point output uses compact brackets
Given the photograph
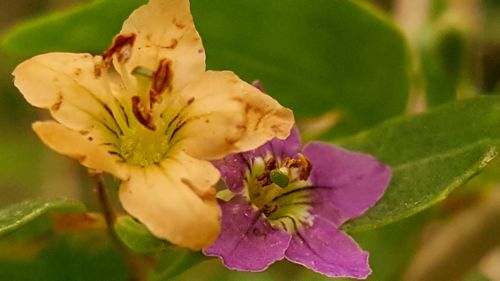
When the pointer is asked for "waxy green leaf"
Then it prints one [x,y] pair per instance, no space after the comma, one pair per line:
[430,154]
[334,55]
[17,215]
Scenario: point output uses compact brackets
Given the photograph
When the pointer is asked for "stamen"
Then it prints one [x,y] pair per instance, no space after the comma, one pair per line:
[142,71]
[142,114]
[143,77]
[302,164]
[271,164]
[162,80]
[122,47]
[269,208]
[264,179]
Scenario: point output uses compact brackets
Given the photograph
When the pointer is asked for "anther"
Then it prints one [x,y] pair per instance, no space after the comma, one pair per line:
[162,80]
[122,47]
[142,114]
[269,208]
[301,163]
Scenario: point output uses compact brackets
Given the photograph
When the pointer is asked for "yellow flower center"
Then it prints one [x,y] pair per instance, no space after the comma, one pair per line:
[145,131]
[141,146]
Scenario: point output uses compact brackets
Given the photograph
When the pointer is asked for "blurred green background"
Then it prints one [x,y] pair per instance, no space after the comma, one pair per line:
[343,66]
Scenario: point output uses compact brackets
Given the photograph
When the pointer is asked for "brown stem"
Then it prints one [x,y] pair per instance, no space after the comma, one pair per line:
[136,264]
[104,202]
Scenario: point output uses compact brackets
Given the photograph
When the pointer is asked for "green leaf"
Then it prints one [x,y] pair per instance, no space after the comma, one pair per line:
[13,143]
[86,28]
[430,155]
[75,257]
[137,237]
[314,58]
[443,61]
[15,216]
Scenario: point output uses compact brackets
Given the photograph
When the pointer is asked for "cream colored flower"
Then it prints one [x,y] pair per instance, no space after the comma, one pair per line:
[147,112]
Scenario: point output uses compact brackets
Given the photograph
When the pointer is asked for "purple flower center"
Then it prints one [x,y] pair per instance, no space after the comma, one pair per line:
[280,189]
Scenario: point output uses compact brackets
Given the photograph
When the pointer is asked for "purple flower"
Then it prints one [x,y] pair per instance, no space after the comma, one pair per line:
[288,202]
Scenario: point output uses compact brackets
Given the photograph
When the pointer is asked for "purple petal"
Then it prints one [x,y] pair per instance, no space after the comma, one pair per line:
[324,249]
[247,242]
[232,169]
[257,84]
[323,207]
[352,181]
[288,147]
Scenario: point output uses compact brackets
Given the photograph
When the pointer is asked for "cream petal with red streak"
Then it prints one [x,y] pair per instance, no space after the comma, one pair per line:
[165,30]
[229,112]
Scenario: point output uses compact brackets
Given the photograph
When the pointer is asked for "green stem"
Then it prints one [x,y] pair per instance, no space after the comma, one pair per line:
[184,260]
[137,265]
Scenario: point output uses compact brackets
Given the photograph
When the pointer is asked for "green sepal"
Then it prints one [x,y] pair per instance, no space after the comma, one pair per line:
[137,237]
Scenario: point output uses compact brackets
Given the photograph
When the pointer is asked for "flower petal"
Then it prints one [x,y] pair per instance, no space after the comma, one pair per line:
[234,167]
[175,200]
[247,242]
[324,249]
[230,114]
[352,181]
[65,84]
[323,207]
[73,144]
[279,148]
[165,30]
